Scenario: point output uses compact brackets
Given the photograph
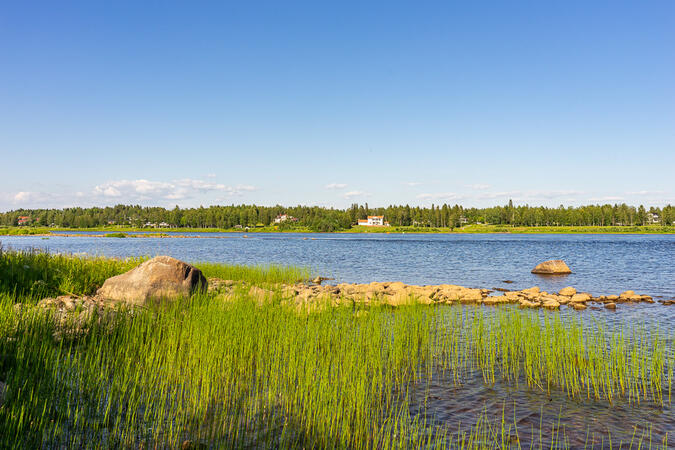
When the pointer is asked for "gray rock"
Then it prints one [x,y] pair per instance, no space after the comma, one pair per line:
[162,277]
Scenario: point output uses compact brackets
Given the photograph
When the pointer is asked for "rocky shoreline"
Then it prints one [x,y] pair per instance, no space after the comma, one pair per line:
[398,293]
[167,278]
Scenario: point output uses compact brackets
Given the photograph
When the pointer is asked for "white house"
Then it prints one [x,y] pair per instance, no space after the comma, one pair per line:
[284,217]
[373,221]
[653,217]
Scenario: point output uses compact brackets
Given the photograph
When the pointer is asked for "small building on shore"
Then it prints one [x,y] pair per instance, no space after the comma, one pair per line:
[284,218]
[653,218]
[23,220]
[373,221]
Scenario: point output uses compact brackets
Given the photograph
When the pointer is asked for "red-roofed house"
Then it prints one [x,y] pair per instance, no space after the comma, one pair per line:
[23,220]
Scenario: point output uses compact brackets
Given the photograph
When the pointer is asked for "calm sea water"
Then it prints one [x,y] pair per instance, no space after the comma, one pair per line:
[602,264]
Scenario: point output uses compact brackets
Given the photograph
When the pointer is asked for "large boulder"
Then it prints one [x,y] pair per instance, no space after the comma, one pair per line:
[552,267]
[162,277]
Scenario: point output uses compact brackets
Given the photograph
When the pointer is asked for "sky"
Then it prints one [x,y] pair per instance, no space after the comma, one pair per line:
[334,103]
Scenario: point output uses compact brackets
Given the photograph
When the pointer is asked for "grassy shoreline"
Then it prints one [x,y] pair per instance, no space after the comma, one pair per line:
[468,229]
[241,373]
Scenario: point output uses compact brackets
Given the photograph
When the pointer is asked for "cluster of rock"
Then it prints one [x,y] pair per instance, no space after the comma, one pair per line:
[397,293]
[535,298]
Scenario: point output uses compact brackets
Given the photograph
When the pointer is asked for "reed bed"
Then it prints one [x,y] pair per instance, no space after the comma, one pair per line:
[548,351]
[260,274]
[30,275]
[246,374]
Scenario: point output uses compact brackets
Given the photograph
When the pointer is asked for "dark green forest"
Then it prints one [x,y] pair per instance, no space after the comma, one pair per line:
[330,219]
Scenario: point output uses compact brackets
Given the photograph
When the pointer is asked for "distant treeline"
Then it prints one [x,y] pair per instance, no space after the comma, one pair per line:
[329,219]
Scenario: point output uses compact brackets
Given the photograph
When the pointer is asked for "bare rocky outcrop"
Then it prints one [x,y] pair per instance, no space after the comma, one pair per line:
[552,267]
[162,277]
[397,294]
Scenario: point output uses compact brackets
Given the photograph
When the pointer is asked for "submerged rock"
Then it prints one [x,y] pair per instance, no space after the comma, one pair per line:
[552,267]
[162,277]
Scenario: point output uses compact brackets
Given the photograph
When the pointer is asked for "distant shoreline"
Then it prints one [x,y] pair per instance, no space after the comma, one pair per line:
[469,229]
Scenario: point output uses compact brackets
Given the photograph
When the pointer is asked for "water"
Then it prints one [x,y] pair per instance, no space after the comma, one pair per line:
[601,265]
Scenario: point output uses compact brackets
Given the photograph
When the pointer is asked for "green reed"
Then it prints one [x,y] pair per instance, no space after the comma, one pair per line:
[261,274]
[241,374]
[33,274]
[548,352]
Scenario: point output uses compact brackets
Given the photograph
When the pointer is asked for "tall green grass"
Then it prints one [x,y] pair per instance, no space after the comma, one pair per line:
[235,374]
[548,351]
[31,275]
[245,374]
[261,274]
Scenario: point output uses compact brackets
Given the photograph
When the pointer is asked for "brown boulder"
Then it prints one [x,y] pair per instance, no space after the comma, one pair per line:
[551,304]
[567,291]
[552,267]
[160,277]
[581,297]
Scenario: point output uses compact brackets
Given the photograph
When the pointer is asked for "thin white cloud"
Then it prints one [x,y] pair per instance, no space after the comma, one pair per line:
[609,198]
[24,196]
[146,190]
[440,196]
[352,194]
[335,186]
[493,195]
[479,187]
[644,193]
[31,199]
[412,183]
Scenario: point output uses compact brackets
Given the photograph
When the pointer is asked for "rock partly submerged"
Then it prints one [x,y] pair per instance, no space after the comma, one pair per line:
[552,267]
[162,277]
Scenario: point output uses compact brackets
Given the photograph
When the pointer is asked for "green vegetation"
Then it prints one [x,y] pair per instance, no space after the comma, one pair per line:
[265,274]
[314,218]
[32,275]
[241,373]
[647,229]
[117,235]
[22,231]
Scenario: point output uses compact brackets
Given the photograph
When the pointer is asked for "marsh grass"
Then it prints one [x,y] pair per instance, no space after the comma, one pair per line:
[30,275]
[246,374]
[117,235]
[546,351]
[262,274]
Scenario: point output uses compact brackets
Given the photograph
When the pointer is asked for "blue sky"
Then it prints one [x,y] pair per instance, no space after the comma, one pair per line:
[200,103]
